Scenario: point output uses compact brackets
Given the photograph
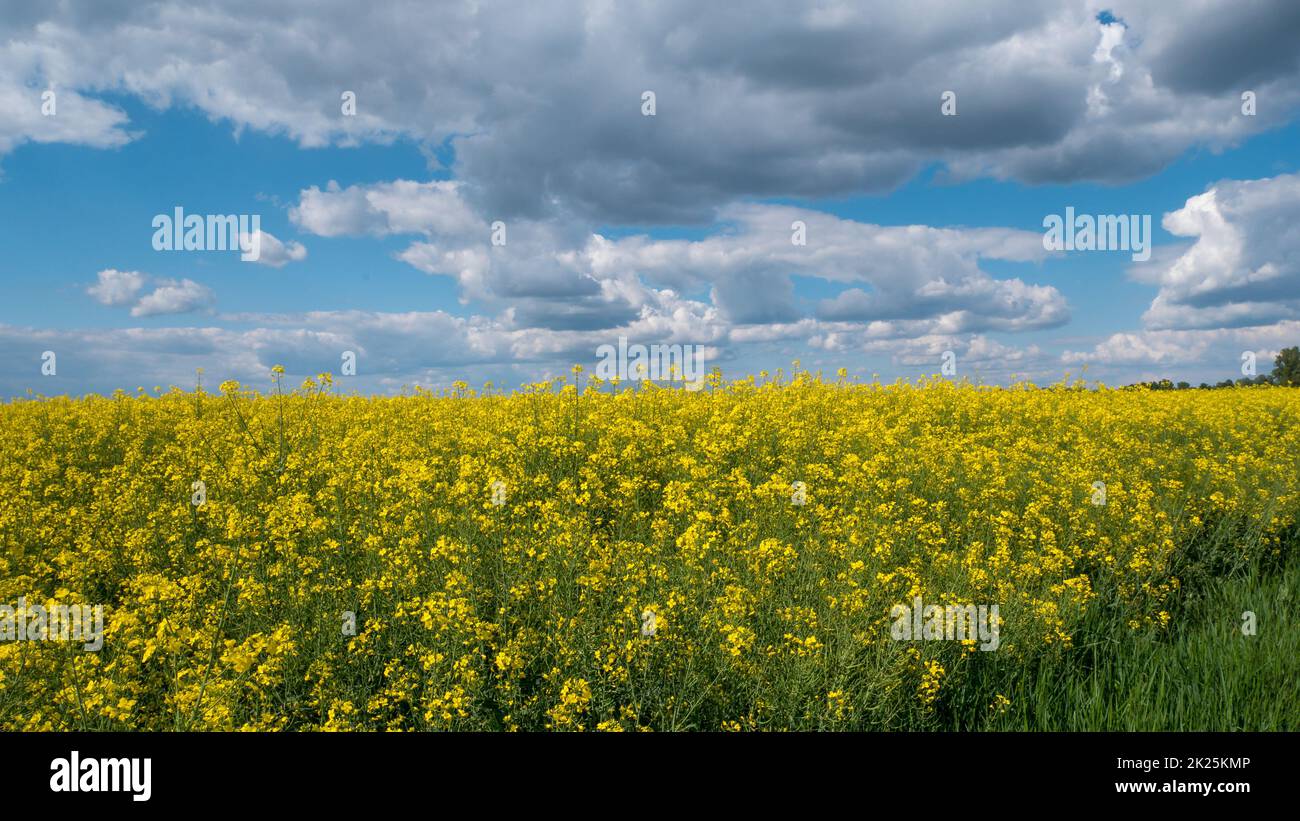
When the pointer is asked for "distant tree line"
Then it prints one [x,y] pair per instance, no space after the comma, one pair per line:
[1286,372]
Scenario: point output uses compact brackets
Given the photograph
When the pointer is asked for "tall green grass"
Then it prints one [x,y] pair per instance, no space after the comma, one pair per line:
[1200,674]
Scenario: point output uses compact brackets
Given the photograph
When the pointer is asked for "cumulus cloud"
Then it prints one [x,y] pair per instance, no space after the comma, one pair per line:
[173,296]
[272,251]
[1221,347]
[555,275]
[1243,267]
[38,112]
[1232,286]
[117,288]
[542,106]
[398,207]
[392,348]
[540,109]
[908,274]
[559,291]
[976,357]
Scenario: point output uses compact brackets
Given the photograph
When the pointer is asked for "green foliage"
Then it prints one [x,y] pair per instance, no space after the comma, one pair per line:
[1286,367]
[1286,372]
[1230,661]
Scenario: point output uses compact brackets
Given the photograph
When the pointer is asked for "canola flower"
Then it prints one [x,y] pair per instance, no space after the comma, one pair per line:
[495,554]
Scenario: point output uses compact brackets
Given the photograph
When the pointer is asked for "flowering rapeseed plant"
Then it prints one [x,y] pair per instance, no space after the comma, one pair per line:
[527,612]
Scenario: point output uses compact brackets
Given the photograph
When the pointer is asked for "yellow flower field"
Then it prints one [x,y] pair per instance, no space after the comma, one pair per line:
[564,558]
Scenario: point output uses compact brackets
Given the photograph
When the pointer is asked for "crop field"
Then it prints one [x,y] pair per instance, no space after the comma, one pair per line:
[583,557]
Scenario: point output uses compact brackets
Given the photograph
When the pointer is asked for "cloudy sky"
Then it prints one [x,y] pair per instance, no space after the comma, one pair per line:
[919,146]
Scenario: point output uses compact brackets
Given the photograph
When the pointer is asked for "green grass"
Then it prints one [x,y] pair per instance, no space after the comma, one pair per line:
[1201,674]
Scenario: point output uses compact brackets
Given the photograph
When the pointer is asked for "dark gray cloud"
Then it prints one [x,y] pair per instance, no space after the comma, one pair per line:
[1217,49]
[542,103]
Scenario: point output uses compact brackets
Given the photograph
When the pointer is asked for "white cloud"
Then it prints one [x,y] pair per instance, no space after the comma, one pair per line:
[119,289]
[1235,287]
[174,297]
[1220,347]
[1244,266]
[398,207]
[541,109]
[914,279]
[116,288]
[75,118]
[275,253]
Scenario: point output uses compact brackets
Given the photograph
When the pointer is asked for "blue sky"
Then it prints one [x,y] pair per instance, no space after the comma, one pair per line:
[671,228]
[182,158]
